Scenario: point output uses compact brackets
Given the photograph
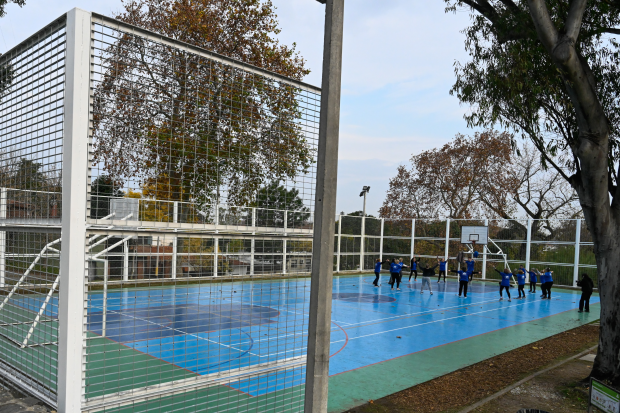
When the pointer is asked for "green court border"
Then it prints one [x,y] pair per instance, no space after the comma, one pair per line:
[347,390]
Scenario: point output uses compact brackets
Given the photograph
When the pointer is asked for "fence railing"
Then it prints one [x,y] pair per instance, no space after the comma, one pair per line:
[564,245]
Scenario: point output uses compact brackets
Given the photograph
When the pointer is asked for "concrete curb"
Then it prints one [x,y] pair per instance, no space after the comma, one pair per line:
[520,382]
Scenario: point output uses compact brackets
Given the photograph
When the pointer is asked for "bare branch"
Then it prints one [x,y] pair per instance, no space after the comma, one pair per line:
[544,25]
[573,21]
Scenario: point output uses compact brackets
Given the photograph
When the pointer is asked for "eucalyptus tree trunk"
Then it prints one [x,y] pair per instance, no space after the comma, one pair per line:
[591,181]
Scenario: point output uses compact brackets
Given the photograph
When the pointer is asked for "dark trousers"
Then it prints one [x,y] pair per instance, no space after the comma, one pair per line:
[413,272]
[376,281]
[521,290]
[395,279]
[442,272]
[463,286]
[501,288]
[549,285]
[533,286]
[546,289]
[585,301]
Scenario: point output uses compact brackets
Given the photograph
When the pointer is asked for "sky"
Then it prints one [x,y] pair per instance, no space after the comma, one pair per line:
[398,68]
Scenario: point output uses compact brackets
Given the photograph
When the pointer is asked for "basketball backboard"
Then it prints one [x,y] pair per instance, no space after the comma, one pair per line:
[478,234]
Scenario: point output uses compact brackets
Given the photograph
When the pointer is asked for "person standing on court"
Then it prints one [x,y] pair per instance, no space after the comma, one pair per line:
[533,279]
[504,284]
[470,268]
[547,283]
[427,273]
[521,283]
[587,287]
[414,268]
[442,270]
[463,281]
[378,265]
[395,269]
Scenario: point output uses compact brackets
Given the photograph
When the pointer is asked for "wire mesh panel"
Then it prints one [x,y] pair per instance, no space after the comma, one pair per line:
[200,240]
[32,83]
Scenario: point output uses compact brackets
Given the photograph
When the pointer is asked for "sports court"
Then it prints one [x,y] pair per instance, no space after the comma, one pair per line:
[201,330]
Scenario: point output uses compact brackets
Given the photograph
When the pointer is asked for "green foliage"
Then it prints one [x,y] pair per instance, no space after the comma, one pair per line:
[271,202]
[3,4]
[102,189]
[511,79]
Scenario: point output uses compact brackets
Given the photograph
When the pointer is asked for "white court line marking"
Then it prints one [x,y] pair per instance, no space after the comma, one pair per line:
[187,334]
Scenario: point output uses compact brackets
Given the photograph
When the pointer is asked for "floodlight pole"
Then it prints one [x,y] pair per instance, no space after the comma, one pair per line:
[319,324]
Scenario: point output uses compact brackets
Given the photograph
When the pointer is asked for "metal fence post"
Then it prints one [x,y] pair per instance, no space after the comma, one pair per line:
[339,242]
[3,212]
[175,244]
[528,246]
[381,240]
[253,242]
[362,243]
[72,295]
[577,247]
[412,237]
[319,323]
[447,250]
[484,255]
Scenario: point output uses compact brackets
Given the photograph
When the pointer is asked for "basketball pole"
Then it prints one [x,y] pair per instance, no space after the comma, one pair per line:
[319,323]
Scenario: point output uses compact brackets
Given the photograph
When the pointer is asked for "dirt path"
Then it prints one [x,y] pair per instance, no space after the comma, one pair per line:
[457,390]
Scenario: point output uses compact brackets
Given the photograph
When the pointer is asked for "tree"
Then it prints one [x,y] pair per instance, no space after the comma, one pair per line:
[544,68]
[102,189]
[189,126]
[3,4]
[457,180]
[273,200]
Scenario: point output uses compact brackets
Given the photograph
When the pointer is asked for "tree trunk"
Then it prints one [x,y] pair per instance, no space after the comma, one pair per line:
[607,363]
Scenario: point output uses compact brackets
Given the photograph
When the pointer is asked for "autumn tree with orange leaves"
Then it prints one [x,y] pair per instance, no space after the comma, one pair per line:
[182,125]
[465,178]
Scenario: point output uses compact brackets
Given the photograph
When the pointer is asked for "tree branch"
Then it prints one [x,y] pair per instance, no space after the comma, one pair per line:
[544,25]
[573,21]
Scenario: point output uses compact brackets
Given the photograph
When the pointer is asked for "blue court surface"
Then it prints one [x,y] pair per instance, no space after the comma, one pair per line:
[217,327]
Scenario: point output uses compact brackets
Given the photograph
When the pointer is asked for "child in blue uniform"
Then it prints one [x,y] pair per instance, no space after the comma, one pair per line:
[395,269]
[442,270]
[546,282]
[470,268]
[533,279]
[521,283]
[378,265]
[414,268]
[504,284]
[464,277]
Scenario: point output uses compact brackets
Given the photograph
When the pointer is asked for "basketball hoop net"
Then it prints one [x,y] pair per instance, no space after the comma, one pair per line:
[473,244]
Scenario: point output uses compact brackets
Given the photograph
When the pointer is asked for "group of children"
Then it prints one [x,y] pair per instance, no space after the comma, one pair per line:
[467,276]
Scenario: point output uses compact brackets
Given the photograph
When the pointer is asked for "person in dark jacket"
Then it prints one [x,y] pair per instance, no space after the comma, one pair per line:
[427,273]
[587,286]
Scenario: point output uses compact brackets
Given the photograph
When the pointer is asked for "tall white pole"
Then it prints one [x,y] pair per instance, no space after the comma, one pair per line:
[253,242]
[175,240]
[577,248]
[320,314]
[73,269]
[381,240]
[412,238]
[363,233]
[339,239]
[484,254]
[528,245]
[447,250]
[3,215]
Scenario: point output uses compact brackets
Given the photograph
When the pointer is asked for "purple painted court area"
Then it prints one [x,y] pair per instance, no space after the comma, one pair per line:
[254,325]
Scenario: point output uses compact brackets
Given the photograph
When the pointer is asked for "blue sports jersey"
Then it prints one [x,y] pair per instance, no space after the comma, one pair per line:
[394,267]
[414,265]
[521,279]
[470,265]
[548,277]
[533,276]
[505,279]
[378,267]
[442,265]
[463,275]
